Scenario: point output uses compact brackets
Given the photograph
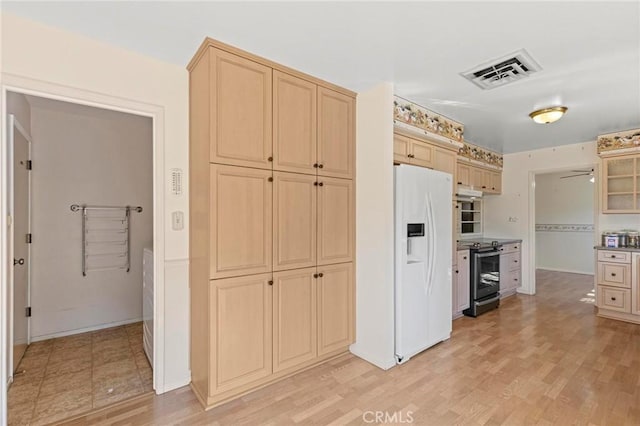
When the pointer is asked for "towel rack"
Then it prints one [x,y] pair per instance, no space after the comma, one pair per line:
[106,238]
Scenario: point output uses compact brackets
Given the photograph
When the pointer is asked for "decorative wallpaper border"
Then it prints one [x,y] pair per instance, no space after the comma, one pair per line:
[419,116]
[627,140]
[563,227]
[474,152]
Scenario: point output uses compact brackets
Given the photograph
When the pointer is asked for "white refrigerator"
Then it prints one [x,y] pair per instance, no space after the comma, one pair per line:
[423,254]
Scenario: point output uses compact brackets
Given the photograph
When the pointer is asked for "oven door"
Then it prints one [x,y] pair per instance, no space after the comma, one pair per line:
[486,274]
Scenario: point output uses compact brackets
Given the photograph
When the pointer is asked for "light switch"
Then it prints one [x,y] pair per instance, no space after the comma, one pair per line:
[177,221]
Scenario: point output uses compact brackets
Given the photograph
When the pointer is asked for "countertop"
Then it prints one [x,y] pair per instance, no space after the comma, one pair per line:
[465,244]
[633,249]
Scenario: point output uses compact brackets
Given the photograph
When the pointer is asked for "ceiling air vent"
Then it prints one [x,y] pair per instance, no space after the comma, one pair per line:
[504,70]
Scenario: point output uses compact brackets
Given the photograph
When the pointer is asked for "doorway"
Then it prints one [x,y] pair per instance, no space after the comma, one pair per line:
[19,207]
[564,227]
[89,219]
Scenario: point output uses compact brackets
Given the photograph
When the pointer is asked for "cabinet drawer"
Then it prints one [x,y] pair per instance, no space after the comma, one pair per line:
[510,248]
[510,262]
[615,299]
[614,256]
[509,280]
[614,274]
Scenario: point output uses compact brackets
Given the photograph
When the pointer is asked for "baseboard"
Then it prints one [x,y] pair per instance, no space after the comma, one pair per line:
[571,271]
[380,363]
[84,330]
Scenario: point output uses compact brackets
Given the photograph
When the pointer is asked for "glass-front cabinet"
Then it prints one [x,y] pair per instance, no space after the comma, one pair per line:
[621,184]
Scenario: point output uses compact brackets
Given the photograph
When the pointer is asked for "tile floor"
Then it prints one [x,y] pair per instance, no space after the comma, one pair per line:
[72,375]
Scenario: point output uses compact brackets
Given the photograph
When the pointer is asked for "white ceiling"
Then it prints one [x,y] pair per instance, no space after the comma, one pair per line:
[589,53]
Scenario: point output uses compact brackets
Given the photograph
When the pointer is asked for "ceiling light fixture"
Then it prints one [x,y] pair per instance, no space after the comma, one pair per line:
[548,115]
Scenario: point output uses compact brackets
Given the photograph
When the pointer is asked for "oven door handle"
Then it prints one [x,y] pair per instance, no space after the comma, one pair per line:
[486,302]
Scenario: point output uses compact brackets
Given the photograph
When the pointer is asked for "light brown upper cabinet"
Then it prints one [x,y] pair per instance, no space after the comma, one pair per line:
[477,178]
[496,182]
[336,233]
[335,307]
[294,220]
[294,124]
[401,150]
[241,221]
[464,175]
[621,184]
[421,154]
[445,161]
[336,133]
[242,336]
[294,317]
[241,111]
[412,151]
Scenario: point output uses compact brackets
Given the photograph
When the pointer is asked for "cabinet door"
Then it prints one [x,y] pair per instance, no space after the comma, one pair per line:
[241,342]
[240,111]
[401,149]
[336,133]
[487,181]
[464,175]
[294,220]
[421,154]
[635,284]
[335,220]
[241,224]
[463,281]
[445,161]
[496,182]
[621,184]
[335,307]
[294,124]
[294,318]
[477,177]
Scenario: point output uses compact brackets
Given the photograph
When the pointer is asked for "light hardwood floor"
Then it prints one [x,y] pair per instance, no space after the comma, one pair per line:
[544,359]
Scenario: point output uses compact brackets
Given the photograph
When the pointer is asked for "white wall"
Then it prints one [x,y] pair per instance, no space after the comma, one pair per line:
[52,56]
[514,201]
[374,227]
[568,201]
[17,105]
[86,155]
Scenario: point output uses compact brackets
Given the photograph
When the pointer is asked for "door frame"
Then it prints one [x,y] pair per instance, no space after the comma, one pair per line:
[27,86]
[531,223]
[13,125]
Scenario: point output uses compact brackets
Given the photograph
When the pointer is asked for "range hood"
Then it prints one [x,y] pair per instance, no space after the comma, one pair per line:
[468,193]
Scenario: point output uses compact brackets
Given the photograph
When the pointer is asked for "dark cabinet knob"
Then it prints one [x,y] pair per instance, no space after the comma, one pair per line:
[270,282]
[613,298]
[270,179]
[459,183]
[613,256]
[315,275]
[315,165]
[270,159]
[320,184]
[18,261]
[464,258]
[484,187]
[315,183]
[321,275]
[613,274]
[321,165]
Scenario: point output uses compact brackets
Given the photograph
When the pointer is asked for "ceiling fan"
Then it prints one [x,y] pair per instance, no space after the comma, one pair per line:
[587,172]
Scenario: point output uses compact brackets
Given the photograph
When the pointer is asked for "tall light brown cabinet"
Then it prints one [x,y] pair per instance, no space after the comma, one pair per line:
[272,212]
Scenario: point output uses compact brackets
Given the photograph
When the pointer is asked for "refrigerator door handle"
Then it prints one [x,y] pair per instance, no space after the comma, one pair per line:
[431,239]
